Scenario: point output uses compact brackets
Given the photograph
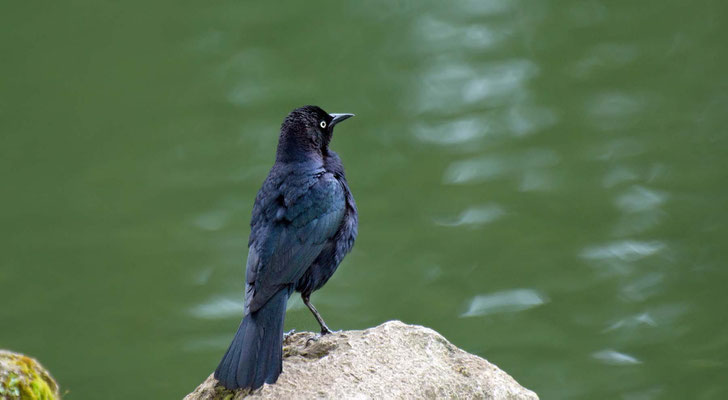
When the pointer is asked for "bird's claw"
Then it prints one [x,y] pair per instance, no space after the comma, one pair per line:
[327,331]
[316,337]
[289,333]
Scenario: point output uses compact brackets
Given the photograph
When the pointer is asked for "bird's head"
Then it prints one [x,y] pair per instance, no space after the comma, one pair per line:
[306,132]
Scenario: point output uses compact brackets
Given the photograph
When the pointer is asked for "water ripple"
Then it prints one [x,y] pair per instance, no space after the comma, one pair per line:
[618,148]
[443,36]
[218,308]
[475,216]
[643,287]
[452,85]
[206,343]
[452,132]
[475,170]
[485,8]
[631,322]
[626,250]
[522,120]
[506,301]
[605,56]
[633,223]
[536,180]
[213,220]
[639,198]
[614,110]
[618,175]
[489,167]
[499,80]
[613,357]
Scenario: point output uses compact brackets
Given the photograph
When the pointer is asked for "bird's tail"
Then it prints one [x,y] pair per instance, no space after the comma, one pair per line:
[255,355]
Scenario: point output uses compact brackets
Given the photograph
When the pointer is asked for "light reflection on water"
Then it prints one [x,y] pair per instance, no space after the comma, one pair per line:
[508,301]
[486,168]
[626,251]
[613,357]
[632,322]
[475,216]
[218,308]
[543,183]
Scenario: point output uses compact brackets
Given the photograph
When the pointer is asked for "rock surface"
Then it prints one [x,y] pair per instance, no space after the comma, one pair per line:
[23,378]
[392,360]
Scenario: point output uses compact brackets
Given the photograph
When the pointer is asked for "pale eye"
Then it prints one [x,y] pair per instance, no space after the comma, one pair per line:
[323,124]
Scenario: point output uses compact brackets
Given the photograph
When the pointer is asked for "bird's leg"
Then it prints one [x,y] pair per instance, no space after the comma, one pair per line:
[306,300]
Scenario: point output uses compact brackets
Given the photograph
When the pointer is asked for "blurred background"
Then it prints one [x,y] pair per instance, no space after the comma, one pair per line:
[543,182]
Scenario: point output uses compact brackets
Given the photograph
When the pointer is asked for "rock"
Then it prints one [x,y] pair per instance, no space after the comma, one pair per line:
[392,360]
[23,378]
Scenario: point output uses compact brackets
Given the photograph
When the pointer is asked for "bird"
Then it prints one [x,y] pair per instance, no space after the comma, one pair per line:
[304,222]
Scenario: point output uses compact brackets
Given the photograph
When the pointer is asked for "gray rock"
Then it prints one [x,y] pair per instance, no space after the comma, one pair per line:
[392,360]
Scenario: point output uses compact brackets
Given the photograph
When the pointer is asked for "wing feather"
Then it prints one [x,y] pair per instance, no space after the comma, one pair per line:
[295,220]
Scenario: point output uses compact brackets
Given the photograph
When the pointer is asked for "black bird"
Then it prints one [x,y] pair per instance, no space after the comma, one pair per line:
[304,222]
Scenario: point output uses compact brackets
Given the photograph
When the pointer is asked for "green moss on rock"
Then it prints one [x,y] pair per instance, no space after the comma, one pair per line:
[22,377]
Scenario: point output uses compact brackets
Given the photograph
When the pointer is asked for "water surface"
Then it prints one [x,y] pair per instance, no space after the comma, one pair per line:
[542,182]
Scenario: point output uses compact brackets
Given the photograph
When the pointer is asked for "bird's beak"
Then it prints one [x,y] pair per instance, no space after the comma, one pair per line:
[336,118]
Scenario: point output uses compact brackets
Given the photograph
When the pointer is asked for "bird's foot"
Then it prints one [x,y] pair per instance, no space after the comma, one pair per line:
[289,333]
[324,331]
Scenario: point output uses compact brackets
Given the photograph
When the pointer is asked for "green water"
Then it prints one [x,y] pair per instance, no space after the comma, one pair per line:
[543,182]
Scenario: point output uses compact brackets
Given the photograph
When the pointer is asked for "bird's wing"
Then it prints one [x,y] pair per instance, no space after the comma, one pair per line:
[290,234]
